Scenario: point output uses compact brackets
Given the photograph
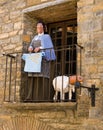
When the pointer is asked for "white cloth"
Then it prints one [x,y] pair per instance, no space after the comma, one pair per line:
[32,62]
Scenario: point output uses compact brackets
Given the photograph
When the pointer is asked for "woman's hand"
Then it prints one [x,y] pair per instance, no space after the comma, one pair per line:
[37,49]
[30,49]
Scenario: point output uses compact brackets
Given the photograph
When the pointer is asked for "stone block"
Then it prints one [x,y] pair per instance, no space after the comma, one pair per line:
[26,38]
[98,36]
[98,24]
[7,27]
[93,68]
[35,2]
[18,48]
[100,61]
[17,25]
[4,35]
[15,39]
[13,33]
[82,3]
[15,14]
[98,6]
[9,47]
[4,41]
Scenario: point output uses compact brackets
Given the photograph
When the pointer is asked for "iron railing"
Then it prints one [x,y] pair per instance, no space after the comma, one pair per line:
[16,80]
[92,90]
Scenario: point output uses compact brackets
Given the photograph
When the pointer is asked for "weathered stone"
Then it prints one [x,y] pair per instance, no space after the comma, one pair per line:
[99,13]
[2,11]
[98,24]
[90,35]
[98,36]
[13,33]
[12,46]
[15,14]
[100,70]
[98,7]
[18,48]
[5,42]
[20,4]
[100,61]
[16,39]
[83,3]
[21,32]
[17,25]
[6,19]
[7,27]
[4,35]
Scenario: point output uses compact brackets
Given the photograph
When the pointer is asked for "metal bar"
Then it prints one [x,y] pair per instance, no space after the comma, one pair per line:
[5,77]
[63,48]
[43,86]
[80,61]
[93,95]
[26,86]
[92,90]
[9,55]
[10,78]
[49,78]
[37,87]
[69,62]
[63,53]
[79,46]
[15,81]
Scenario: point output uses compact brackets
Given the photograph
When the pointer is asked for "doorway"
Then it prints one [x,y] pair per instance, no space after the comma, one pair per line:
[64,37]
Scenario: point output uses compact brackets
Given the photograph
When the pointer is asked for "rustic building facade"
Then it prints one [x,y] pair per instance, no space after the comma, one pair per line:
[17,27]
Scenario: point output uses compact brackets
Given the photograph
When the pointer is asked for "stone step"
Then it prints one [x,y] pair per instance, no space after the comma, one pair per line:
[64,126]
[63,123]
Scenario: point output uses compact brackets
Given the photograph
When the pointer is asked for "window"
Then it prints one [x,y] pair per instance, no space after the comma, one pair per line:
[64,36]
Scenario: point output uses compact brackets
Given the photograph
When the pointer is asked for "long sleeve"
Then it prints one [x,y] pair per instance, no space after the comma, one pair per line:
[47,44]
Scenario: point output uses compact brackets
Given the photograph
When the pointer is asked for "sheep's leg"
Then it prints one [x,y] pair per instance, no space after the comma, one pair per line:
[71,89]
[55,96]
[62,96]
[70,94]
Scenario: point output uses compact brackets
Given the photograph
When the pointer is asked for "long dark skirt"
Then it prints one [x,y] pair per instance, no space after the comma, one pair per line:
[40,88]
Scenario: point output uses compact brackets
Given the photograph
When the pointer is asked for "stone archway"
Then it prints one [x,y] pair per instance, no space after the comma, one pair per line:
[25,123]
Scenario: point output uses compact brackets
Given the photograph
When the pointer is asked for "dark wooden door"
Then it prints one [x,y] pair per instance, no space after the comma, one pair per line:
[64,37]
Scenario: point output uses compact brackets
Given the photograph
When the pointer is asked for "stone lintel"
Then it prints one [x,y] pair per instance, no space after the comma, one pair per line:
[44,5]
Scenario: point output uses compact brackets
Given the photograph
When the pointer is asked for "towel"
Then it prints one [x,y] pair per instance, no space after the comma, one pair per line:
[32,62]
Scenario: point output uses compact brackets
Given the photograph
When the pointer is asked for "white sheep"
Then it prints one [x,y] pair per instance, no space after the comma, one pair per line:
[64,84]
[61,84]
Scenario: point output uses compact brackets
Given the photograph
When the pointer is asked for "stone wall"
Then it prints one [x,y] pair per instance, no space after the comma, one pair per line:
[11,31]
[14,24]
[41,116]
[90,36]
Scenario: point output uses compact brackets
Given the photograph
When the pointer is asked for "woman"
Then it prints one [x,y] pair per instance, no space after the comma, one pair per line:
[39,88]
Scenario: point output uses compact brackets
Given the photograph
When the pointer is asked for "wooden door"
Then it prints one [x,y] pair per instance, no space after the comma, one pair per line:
[64,37]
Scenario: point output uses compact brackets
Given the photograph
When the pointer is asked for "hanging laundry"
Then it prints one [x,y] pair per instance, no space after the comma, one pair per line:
[32,62]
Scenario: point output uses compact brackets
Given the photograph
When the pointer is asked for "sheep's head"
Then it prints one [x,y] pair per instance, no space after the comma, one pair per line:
[75,78]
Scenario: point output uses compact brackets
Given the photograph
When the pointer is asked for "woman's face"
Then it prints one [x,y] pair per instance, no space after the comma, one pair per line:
[40,28]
